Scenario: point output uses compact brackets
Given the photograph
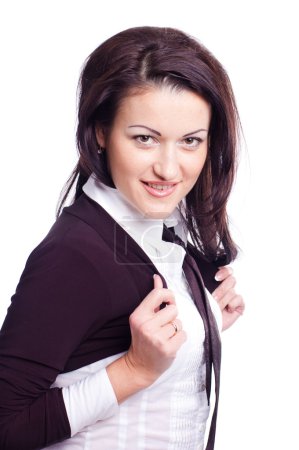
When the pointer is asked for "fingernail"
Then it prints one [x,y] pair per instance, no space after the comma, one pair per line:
[217,277]
[215,296]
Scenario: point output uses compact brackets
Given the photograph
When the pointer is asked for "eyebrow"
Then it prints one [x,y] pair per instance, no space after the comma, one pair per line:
[159,134]
[143,126]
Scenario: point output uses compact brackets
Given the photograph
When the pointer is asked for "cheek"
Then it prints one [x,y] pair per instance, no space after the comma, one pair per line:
[195,168]
[121,167]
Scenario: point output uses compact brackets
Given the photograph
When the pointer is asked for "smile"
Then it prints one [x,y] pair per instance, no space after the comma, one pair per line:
[161,189]
[159,186]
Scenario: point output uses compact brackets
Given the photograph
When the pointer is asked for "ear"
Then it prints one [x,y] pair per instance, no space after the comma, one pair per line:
[100,137]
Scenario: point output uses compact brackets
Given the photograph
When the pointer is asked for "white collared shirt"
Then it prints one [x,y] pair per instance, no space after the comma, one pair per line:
[172,412]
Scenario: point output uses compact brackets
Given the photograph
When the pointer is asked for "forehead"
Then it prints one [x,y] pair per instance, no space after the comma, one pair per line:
[164,107]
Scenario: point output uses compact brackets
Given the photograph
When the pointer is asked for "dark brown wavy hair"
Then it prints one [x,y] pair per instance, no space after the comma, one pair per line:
[151,56]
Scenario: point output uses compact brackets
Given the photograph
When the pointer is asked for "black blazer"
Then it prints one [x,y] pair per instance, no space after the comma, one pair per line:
[70,309]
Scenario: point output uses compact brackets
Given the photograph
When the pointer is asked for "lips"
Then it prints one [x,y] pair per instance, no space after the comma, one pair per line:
[160,188]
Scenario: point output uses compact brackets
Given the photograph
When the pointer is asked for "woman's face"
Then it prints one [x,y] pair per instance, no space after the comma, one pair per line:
[157,147]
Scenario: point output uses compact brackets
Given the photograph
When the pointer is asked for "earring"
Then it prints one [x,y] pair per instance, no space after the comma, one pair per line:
[100,150]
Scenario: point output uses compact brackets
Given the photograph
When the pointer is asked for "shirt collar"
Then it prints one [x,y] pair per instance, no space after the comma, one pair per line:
[124,213]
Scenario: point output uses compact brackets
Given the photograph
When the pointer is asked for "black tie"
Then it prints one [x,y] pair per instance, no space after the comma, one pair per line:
[212,343]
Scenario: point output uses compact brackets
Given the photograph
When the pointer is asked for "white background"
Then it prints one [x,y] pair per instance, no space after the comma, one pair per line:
[43,45]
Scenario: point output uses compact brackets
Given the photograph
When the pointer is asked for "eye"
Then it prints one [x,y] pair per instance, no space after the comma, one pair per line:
[144,139]
[193,141]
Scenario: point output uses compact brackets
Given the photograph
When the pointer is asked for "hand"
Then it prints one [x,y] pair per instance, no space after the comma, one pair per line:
[231,304]
[155,341]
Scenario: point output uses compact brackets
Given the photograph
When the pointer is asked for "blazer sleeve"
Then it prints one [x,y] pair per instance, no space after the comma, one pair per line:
[50,313]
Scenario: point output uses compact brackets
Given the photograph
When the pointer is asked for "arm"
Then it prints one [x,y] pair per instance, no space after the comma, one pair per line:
[45,323]
[38,336]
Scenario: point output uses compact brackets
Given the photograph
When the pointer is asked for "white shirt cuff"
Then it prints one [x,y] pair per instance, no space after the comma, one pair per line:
[89,400]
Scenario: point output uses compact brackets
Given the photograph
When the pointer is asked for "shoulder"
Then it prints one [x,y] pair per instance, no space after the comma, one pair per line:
[80,250]
[69,262]
[71,238]
[85,252]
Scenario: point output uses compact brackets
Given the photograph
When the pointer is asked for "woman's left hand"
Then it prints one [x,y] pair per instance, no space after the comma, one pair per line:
[231,304]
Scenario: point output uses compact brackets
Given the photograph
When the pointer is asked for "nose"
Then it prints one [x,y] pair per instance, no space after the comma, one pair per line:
[166,165]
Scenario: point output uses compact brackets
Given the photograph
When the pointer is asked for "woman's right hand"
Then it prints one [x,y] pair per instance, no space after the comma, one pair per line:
[155,343]
[155,340]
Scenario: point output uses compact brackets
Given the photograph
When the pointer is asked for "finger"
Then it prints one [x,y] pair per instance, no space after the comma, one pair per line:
[226,299]
[176,342]
[158,283]
[162,334]
[223,273]
[170,343]
[165,315]
[157,326]
[176,327]
[154,299]
[236,304]
[170,329]
[224,287]
[229,318]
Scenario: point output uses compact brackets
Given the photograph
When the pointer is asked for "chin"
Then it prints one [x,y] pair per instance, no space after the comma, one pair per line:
[157,214]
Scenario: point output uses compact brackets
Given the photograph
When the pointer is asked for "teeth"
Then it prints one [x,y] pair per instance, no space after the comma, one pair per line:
[160,187]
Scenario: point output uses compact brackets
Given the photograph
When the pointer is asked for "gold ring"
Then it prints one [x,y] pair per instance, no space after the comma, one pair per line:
[175,327]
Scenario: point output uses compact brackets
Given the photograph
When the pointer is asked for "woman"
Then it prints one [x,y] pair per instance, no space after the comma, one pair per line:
[110,338]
